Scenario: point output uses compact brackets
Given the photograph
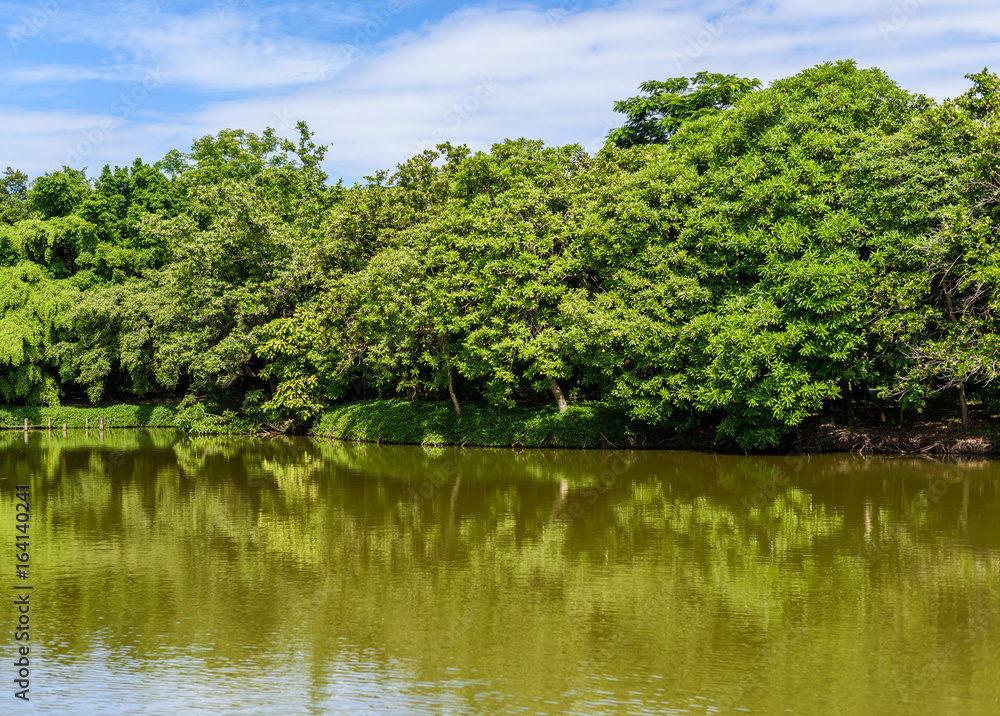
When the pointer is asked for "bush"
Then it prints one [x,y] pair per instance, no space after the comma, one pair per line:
[401,421]
[115,416]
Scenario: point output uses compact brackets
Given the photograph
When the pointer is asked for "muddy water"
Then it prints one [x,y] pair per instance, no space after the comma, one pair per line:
[177,575]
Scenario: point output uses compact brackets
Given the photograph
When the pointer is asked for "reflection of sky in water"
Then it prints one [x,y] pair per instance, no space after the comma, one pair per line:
[183,583]
[103,685]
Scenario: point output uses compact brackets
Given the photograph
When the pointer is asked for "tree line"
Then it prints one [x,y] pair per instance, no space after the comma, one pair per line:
[734,256]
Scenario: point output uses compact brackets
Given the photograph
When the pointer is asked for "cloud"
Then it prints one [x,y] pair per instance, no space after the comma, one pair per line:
[480,74]
[221,48]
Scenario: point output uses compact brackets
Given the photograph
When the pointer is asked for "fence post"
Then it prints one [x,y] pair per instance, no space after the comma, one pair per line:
[25,425]
[64,429]
[102,422]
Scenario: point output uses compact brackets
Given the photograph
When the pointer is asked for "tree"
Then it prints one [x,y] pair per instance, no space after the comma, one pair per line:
[511,222]
[406,338]
[643,288]
[788,254]
[953,342]
[654,116]
[186,269]
[246,249]
[31,310]
[13,196]
[58,193]
[123,198]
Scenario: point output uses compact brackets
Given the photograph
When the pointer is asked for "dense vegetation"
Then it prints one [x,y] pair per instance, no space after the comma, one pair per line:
[744,259]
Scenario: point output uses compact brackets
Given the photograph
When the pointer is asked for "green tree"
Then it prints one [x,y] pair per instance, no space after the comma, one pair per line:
[13,196]
[31,310]
[785,250]
[122,200]
[405,338]
[952,340]
[245,251]
[511,221]
[58,193]
[654,116]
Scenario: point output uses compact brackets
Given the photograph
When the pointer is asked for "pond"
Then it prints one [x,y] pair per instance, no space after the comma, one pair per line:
[182,575]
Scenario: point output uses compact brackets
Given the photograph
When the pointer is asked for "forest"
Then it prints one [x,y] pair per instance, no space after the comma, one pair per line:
[735,256]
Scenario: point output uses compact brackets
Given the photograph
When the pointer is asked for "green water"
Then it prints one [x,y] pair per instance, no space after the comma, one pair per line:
[178,575]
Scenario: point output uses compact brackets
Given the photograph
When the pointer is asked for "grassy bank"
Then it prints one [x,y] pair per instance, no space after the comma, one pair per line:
[415,422]
[115,416]
[581,426]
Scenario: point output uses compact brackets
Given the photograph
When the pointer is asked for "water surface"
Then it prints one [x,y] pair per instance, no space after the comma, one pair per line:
[179,575]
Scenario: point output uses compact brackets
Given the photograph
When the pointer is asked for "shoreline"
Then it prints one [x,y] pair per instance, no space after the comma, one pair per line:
[403,422]
[118,415]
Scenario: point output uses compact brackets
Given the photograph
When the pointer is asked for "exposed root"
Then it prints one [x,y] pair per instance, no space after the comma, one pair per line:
[919,439]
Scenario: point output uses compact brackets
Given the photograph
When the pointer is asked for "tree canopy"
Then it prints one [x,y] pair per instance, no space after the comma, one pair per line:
[736,258]
[665,105]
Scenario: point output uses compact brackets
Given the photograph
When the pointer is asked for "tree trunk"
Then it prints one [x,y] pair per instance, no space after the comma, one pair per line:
[451,392]
[964,407]
[560,398]
[451,382]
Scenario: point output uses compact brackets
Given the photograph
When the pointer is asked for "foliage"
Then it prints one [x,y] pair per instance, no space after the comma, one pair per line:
[31,310]
[304,374]
[193,417]
[829,239]
[653,117]
[417,422]
[115,416]
[58,193]
[13,196]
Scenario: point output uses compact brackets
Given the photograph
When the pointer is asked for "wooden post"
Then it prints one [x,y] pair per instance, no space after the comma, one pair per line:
[64,429]
[50,423]
[86,423]
[25,425]
[102,423]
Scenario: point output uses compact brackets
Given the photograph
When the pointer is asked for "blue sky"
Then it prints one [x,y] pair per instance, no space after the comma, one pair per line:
[88,84]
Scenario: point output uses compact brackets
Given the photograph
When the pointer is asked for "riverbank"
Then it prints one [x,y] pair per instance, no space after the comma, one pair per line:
[927,437]
[120,415]
[421,423]
[405,422]
[592,426]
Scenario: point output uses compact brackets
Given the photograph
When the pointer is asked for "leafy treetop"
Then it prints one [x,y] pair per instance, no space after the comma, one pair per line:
[665,106]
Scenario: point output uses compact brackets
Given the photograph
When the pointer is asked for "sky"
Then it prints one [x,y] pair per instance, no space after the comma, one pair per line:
[84,84]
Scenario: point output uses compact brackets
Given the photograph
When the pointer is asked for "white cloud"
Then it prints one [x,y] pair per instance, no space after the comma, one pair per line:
[483,74]
[221,49]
